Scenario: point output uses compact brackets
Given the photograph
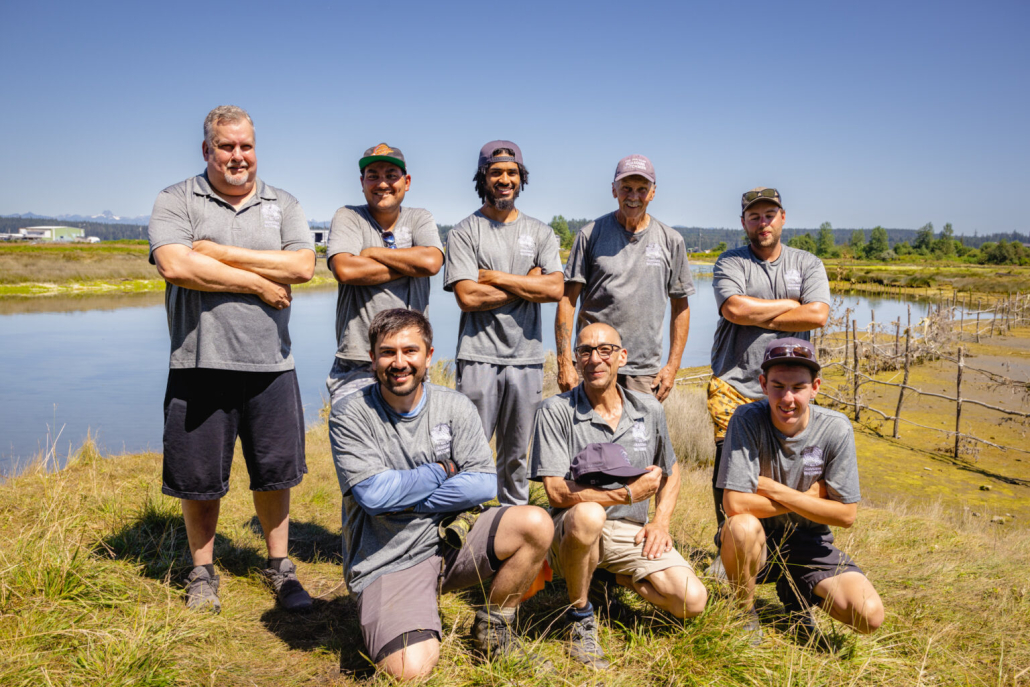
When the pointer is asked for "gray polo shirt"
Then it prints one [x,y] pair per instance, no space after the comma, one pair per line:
[227,331]
[627,279]
[513,333]
[367,437]
[737,349]
[354,229]
[824,450]
[567,423]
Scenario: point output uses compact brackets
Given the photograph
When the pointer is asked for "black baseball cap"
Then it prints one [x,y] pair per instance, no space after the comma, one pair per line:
[598,461]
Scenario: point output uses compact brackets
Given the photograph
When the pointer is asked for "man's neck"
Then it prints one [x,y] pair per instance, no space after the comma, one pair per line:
[234,195]
[402,404]
[387,220]
[767,254]
[607,403]
[634,225]
[496,215]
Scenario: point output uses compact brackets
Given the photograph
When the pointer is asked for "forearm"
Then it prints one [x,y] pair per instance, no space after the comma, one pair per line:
[475,297]
[816,509]
[461,492]
[803,318]
[740,503]
[755,312]
[536,288]
[283,266]
[395,490]
[563,320]
[562,493]
[417,261]
[679,330]
[355,270]
[189,269]
[666,497]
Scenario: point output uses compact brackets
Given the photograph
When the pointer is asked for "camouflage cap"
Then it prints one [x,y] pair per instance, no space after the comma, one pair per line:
[758,194]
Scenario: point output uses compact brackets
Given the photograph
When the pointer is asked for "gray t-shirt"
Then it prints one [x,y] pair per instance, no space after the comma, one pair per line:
[737,350]
[367,438]
[824,450]
[353,230]
[227,331]
[565,424]
[513,333]
[627,279]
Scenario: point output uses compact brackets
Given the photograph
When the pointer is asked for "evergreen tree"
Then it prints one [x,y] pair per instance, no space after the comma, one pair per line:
[924,238]
[857,243]
[561,229]
[878,244]
[824,246]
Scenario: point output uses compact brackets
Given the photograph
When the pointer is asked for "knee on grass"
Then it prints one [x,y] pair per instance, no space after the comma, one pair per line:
[412,662]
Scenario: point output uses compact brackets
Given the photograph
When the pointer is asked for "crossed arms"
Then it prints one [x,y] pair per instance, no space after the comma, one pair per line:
[495,288]
[379,265]
[773,498]
[783,315]
[425,489]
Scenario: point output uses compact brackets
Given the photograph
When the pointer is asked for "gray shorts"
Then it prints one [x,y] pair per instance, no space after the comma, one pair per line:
[346,377]
[404,602]
[641,383]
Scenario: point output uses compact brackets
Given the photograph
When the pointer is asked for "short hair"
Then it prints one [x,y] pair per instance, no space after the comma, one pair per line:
[223,113]
[392,321]
[480,177]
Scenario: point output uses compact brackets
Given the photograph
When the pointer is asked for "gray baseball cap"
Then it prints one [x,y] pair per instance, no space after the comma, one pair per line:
[598,461]
[386,154]
[487,157]
[634,165]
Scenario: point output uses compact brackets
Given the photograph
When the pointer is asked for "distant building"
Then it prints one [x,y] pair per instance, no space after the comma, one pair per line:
[49,234]
[320,236]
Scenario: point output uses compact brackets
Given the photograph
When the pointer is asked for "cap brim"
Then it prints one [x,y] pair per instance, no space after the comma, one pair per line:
[760,200]
[366,161]
[620,177]
[622,472]
[803,362]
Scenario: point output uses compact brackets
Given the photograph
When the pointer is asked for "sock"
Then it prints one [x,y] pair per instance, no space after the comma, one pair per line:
[506,613]
[210,567]
[581,613]
[274,563]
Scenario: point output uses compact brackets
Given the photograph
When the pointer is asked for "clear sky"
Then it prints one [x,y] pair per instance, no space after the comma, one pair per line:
[890,113]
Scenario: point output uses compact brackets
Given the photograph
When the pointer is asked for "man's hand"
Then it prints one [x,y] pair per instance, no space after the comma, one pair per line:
[491,277]
[645,486]
[663,382]
[656,539]
[567,375]
[277,295]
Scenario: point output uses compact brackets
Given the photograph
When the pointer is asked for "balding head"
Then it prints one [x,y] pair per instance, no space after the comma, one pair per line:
[598,333]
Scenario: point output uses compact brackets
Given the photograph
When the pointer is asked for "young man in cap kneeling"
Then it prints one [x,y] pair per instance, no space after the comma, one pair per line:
[602,452]
[789,472]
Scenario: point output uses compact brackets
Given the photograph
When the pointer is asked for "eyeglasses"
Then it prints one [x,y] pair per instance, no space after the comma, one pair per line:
[751,196]
[790,351]
[604,351]
[389,240]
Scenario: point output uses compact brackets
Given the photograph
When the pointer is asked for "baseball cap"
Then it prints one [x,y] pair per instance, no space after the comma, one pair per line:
[487,157]
[759,193]
[385,153]
[635,165]
[790,351]
[598,461]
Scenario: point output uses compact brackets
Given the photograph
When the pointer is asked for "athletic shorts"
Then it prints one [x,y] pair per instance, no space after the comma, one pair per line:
[206,410]
[400,608]
[723,400]
[641,383]
[797,561]
[619,553]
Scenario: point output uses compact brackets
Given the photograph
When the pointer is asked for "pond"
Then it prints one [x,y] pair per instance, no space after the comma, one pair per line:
[100,364]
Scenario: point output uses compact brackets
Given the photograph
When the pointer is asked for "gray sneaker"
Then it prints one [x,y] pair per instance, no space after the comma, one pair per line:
[717,571]
[202,591]
[753,628]
[494,638]
[287,588]
[584,645]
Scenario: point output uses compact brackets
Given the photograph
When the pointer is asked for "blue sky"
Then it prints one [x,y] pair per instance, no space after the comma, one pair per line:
[860,113]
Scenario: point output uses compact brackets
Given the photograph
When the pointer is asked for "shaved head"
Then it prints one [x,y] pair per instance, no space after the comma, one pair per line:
[599,332]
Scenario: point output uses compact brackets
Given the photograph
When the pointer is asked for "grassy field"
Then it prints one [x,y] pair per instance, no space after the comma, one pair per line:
[949,276]
[93,558]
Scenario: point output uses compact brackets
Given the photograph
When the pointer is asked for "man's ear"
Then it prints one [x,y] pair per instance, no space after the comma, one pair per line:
[762,380]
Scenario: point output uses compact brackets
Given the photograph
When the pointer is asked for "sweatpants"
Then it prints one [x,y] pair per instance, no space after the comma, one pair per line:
[506,397]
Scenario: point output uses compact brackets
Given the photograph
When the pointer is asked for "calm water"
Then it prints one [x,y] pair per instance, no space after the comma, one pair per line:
[104,370]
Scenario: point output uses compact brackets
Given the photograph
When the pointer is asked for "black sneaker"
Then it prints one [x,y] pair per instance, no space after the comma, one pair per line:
[202,591]
[287,588]
[584,645]
[494,638]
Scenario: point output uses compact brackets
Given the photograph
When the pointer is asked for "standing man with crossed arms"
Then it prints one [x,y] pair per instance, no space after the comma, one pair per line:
[229,246]
[626,265]
[383,256]
[763,291]
[501,265]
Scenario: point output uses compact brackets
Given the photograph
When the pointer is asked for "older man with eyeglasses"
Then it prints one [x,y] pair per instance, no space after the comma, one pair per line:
[602,451]
[382,255]
[763,291]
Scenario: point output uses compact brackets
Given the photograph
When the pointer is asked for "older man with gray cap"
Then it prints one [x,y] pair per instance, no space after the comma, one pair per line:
[626,265]
[501,265]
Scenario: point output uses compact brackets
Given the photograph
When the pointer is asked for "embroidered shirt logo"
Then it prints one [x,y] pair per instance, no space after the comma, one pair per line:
[440,435]
[793,279]
[527,246]
[813,461]
[639,436]
[403,237]
[271,216]
[653,254]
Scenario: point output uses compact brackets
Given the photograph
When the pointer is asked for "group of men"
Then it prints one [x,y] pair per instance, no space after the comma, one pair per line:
[413,459]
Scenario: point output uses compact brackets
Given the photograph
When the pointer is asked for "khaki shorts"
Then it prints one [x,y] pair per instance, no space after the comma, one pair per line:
[640,383]
[619,553]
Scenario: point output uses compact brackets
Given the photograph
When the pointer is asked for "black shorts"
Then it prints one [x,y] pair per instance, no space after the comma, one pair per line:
[797,560]
[206,410]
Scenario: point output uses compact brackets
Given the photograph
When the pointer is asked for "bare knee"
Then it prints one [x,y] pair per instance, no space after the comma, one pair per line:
[534,525]
[584,523]
[870,616]
[695,599]
[412,662]
[742,529]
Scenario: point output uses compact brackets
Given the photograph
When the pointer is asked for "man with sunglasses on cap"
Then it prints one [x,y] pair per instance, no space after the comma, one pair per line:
[602,452]
[501,265]
[789,473]
[764,290]
[627,265]
[382,255]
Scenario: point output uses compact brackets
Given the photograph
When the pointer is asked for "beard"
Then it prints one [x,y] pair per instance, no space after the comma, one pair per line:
[398,389]
[238,179]
[505,204]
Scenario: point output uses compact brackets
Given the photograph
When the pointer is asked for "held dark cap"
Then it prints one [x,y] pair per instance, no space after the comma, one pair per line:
[385,153]
[597,463]
[487,157]
[790,351]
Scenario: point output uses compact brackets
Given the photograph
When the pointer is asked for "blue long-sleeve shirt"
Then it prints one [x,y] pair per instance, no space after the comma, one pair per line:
[425,488]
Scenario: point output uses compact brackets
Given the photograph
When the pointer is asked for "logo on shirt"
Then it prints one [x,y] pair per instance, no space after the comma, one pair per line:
[440,435]
[527,246]
[813,460]
[640,436]
[272,216]
[403,237]
[653,255]
[793,279]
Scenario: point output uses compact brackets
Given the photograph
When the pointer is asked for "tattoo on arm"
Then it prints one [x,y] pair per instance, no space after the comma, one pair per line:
[563,337]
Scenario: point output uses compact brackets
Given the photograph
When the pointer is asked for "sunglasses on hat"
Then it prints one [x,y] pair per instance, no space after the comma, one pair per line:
[790,351]
[751,196]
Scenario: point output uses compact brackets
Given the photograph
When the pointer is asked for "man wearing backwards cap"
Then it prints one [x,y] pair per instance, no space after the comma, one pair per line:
[501,265]
[599,432]
[763,291]
[383,256]
[626,265]
[789,472]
